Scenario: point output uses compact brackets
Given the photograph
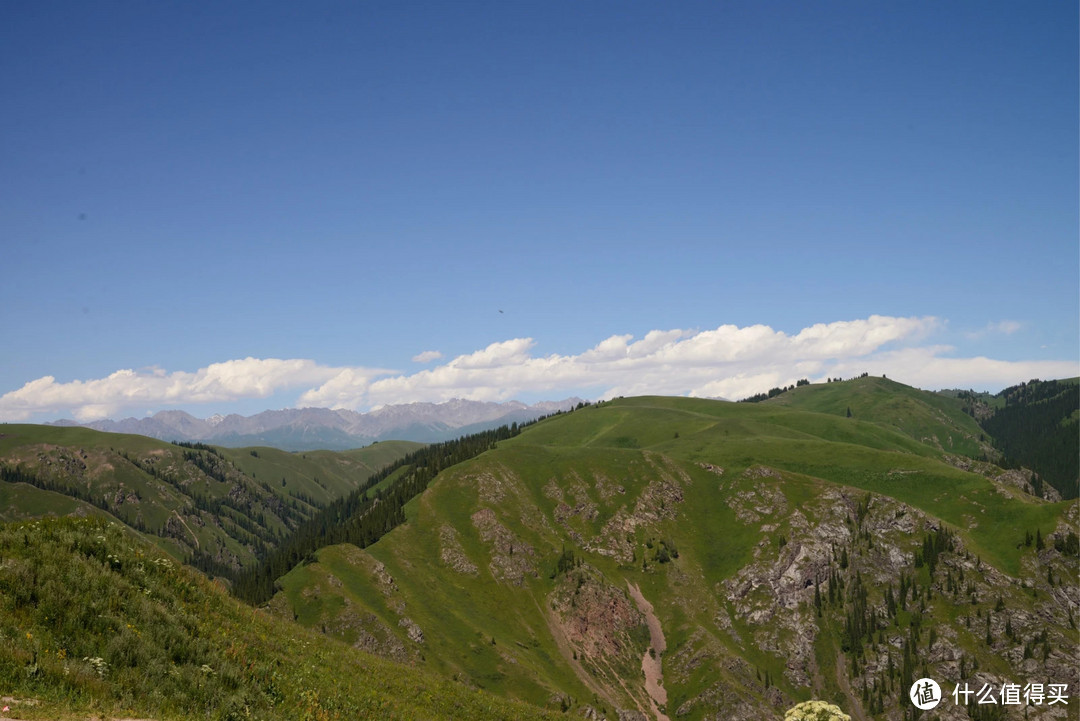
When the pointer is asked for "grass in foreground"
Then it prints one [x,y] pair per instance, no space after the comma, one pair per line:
[95,621]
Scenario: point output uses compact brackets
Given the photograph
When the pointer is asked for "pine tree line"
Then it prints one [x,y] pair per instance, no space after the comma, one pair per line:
[1037,429]
[364,516]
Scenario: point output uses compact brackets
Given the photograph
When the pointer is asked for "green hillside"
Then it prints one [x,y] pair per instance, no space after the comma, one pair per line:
[652,557]
[96,622]
[1037,425]
[787,553]
[927,417]
[219,508]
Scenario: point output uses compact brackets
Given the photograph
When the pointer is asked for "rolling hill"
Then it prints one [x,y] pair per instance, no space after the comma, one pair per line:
[99,623]
[652,557]
[218,508]
[782,553]
[1037,425]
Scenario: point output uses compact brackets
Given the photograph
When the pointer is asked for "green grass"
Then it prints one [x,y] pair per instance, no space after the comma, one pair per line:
[224,503]
[320,475]
[631,443]
[96,622]
[19,501]
[926,417]
[604,463]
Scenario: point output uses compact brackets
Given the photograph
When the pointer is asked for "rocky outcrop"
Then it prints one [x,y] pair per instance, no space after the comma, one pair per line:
[606,633]
[870,542]
[512,559]
[600,619]
[1022,479]
[452,554]
[414,632]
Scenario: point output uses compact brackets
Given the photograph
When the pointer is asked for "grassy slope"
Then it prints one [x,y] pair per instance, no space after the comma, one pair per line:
[927,417]
[321,475]
[630,443]
[148,484]
[97,622]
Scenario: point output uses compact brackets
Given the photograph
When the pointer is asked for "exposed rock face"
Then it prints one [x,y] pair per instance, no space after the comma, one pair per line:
[864,541]
[651,661]
[452,554]
[600,620]
[372,635]
[631,715]
[764,501]
[605,631]
[771,629]
[490,487]
[658,501]
[415,633]
[511,558]
[1022,479]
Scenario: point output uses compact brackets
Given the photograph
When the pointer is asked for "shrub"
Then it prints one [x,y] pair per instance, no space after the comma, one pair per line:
[815,711]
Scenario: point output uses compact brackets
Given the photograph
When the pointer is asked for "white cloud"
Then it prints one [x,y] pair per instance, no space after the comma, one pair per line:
[927,367]
[427,356]
[1001,327]
[219,382]
[728,361]
[340,391]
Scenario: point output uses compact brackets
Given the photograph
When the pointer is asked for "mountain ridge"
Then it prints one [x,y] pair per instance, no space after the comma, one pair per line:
[834,542]
[303,429]
[768,540]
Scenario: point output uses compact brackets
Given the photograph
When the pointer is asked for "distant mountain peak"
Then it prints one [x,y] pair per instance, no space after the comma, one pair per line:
[298,429]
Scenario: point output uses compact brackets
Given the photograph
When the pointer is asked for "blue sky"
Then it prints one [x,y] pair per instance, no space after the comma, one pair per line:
[234,206]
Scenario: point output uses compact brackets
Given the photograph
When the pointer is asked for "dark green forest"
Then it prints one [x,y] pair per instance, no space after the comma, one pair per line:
[362,517]
[1039,428]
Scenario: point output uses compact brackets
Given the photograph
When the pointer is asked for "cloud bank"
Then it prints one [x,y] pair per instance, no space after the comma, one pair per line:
[728,362]
[217,383]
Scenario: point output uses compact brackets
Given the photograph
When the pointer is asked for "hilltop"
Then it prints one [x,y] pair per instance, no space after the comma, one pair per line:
[784,554]
[685,558]
[929,418]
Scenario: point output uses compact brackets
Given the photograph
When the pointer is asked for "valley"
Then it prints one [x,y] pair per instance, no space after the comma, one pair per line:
[647,557]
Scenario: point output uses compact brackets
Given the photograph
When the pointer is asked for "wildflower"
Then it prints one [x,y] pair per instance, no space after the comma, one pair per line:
[815,711]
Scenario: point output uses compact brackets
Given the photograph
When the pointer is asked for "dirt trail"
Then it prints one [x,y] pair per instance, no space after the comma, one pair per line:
[650,663]
[855,708]
[185,525]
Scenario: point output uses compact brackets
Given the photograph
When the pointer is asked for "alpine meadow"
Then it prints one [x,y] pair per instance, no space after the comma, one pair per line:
[647,557]
[616,360]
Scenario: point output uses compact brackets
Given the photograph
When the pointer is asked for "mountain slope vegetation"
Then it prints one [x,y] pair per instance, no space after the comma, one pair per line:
[96,620]
[785,554]
[668,558]
[1037,425]
[217,508]
[927,417]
